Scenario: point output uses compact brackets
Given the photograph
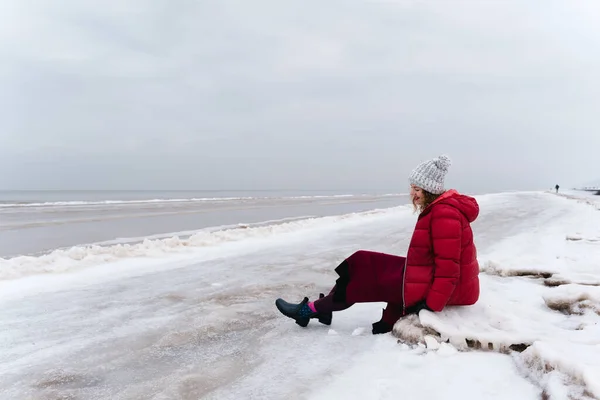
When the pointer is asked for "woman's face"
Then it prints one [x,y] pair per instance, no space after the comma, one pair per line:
[416,194]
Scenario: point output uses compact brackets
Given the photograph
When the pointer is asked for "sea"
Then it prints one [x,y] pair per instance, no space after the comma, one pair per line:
[35,223]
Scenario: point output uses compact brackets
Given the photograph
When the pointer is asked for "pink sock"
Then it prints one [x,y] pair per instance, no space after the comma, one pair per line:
[311,305]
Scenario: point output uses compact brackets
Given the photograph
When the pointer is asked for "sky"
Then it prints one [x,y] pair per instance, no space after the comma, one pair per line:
[344,94]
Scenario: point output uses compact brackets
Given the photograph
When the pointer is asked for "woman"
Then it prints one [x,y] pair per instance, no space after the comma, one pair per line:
[440,267]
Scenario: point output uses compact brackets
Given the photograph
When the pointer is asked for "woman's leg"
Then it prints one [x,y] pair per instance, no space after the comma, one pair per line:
[327,305]
[322,309]
[364,277]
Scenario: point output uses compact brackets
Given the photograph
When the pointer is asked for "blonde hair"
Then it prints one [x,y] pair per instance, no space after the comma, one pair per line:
[428,198]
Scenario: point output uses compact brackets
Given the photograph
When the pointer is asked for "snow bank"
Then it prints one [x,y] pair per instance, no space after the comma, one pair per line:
[565,370]
[573,299]
[63,260]
[181,200]
[414,373]
[581,196]
[119,202]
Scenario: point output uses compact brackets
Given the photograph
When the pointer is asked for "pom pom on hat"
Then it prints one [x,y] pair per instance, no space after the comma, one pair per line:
[430,174]
[443,162]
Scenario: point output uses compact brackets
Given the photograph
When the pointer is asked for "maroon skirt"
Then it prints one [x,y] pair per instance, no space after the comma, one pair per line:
[368,276]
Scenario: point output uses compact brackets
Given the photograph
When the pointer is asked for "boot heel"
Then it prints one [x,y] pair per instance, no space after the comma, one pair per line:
[325,319]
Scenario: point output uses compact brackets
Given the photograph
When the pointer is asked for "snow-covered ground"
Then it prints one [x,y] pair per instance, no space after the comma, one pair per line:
[586,196]
[199,321]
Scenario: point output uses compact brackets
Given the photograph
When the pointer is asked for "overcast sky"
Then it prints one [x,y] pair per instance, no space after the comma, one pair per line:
[343,94]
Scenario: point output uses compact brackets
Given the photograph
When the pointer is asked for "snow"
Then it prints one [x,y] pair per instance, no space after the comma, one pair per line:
[431,342]
[63,260]
[199,321]
[583,196]
[392,373]
[358,331]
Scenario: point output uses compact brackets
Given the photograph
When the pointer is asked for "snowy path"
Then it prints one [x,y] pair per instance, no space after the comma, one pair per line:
[187,329]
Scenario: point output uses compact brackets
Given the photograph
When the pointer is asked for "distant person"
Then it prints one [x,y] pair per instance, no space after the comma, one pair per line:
[556,187]
[440,268]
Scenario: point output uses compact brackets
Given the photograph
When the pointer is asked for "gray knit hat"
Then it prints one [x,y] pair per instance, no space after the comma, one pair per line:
[430,174]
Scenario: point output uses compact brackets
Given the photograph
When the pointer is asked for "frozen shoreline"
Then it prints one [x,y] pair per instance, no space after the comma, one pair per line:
[204,325]
[38,228]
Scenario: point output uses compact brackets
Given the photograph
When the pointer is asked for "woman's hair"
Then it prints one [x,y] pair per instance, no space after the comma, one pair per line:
[428,197]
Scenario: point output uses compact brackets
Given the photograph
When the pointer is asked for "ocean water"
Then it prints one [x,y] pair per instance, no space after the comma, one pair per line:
[54,196]
[38,222]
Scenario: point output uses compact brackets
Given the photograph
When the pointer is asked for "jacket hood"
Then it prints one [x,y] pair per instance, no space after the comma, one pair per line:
[467,205]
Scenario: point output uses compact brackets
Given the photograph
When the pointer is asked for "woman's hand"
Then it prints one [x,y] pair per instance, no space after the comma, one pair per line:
[416,309]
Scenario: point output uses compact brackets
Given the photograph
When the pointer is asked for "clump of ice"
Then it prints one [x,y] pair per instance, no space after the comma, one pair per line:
[579,237]
[495,268]
[431,342]
[447,350]
[358,331]
[410,330]
[574,300]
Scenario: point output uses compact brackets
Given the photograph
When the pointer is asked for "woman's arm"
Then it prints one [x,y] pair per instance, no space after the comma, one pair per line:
[446,234]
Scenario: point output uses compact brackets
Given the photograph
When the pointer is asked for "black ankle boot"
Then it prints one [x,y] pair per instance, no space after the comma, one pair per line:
[301,313]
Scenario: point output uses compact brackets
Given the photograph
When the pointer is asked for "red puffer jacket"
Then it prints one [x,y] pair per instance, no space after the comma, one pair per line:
[441,263]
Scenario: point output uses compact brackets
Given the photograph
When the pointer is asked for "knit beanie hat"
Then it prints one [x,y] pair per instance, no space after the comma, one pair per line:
[430,174]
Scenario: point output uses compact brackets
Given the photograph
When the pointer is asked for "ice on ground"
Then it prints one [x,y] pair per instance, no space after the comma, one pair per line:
[167,331]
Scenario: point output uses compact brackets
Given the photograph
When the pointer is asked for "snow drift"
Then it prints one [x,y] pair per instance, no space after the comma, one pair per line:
[63,260]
